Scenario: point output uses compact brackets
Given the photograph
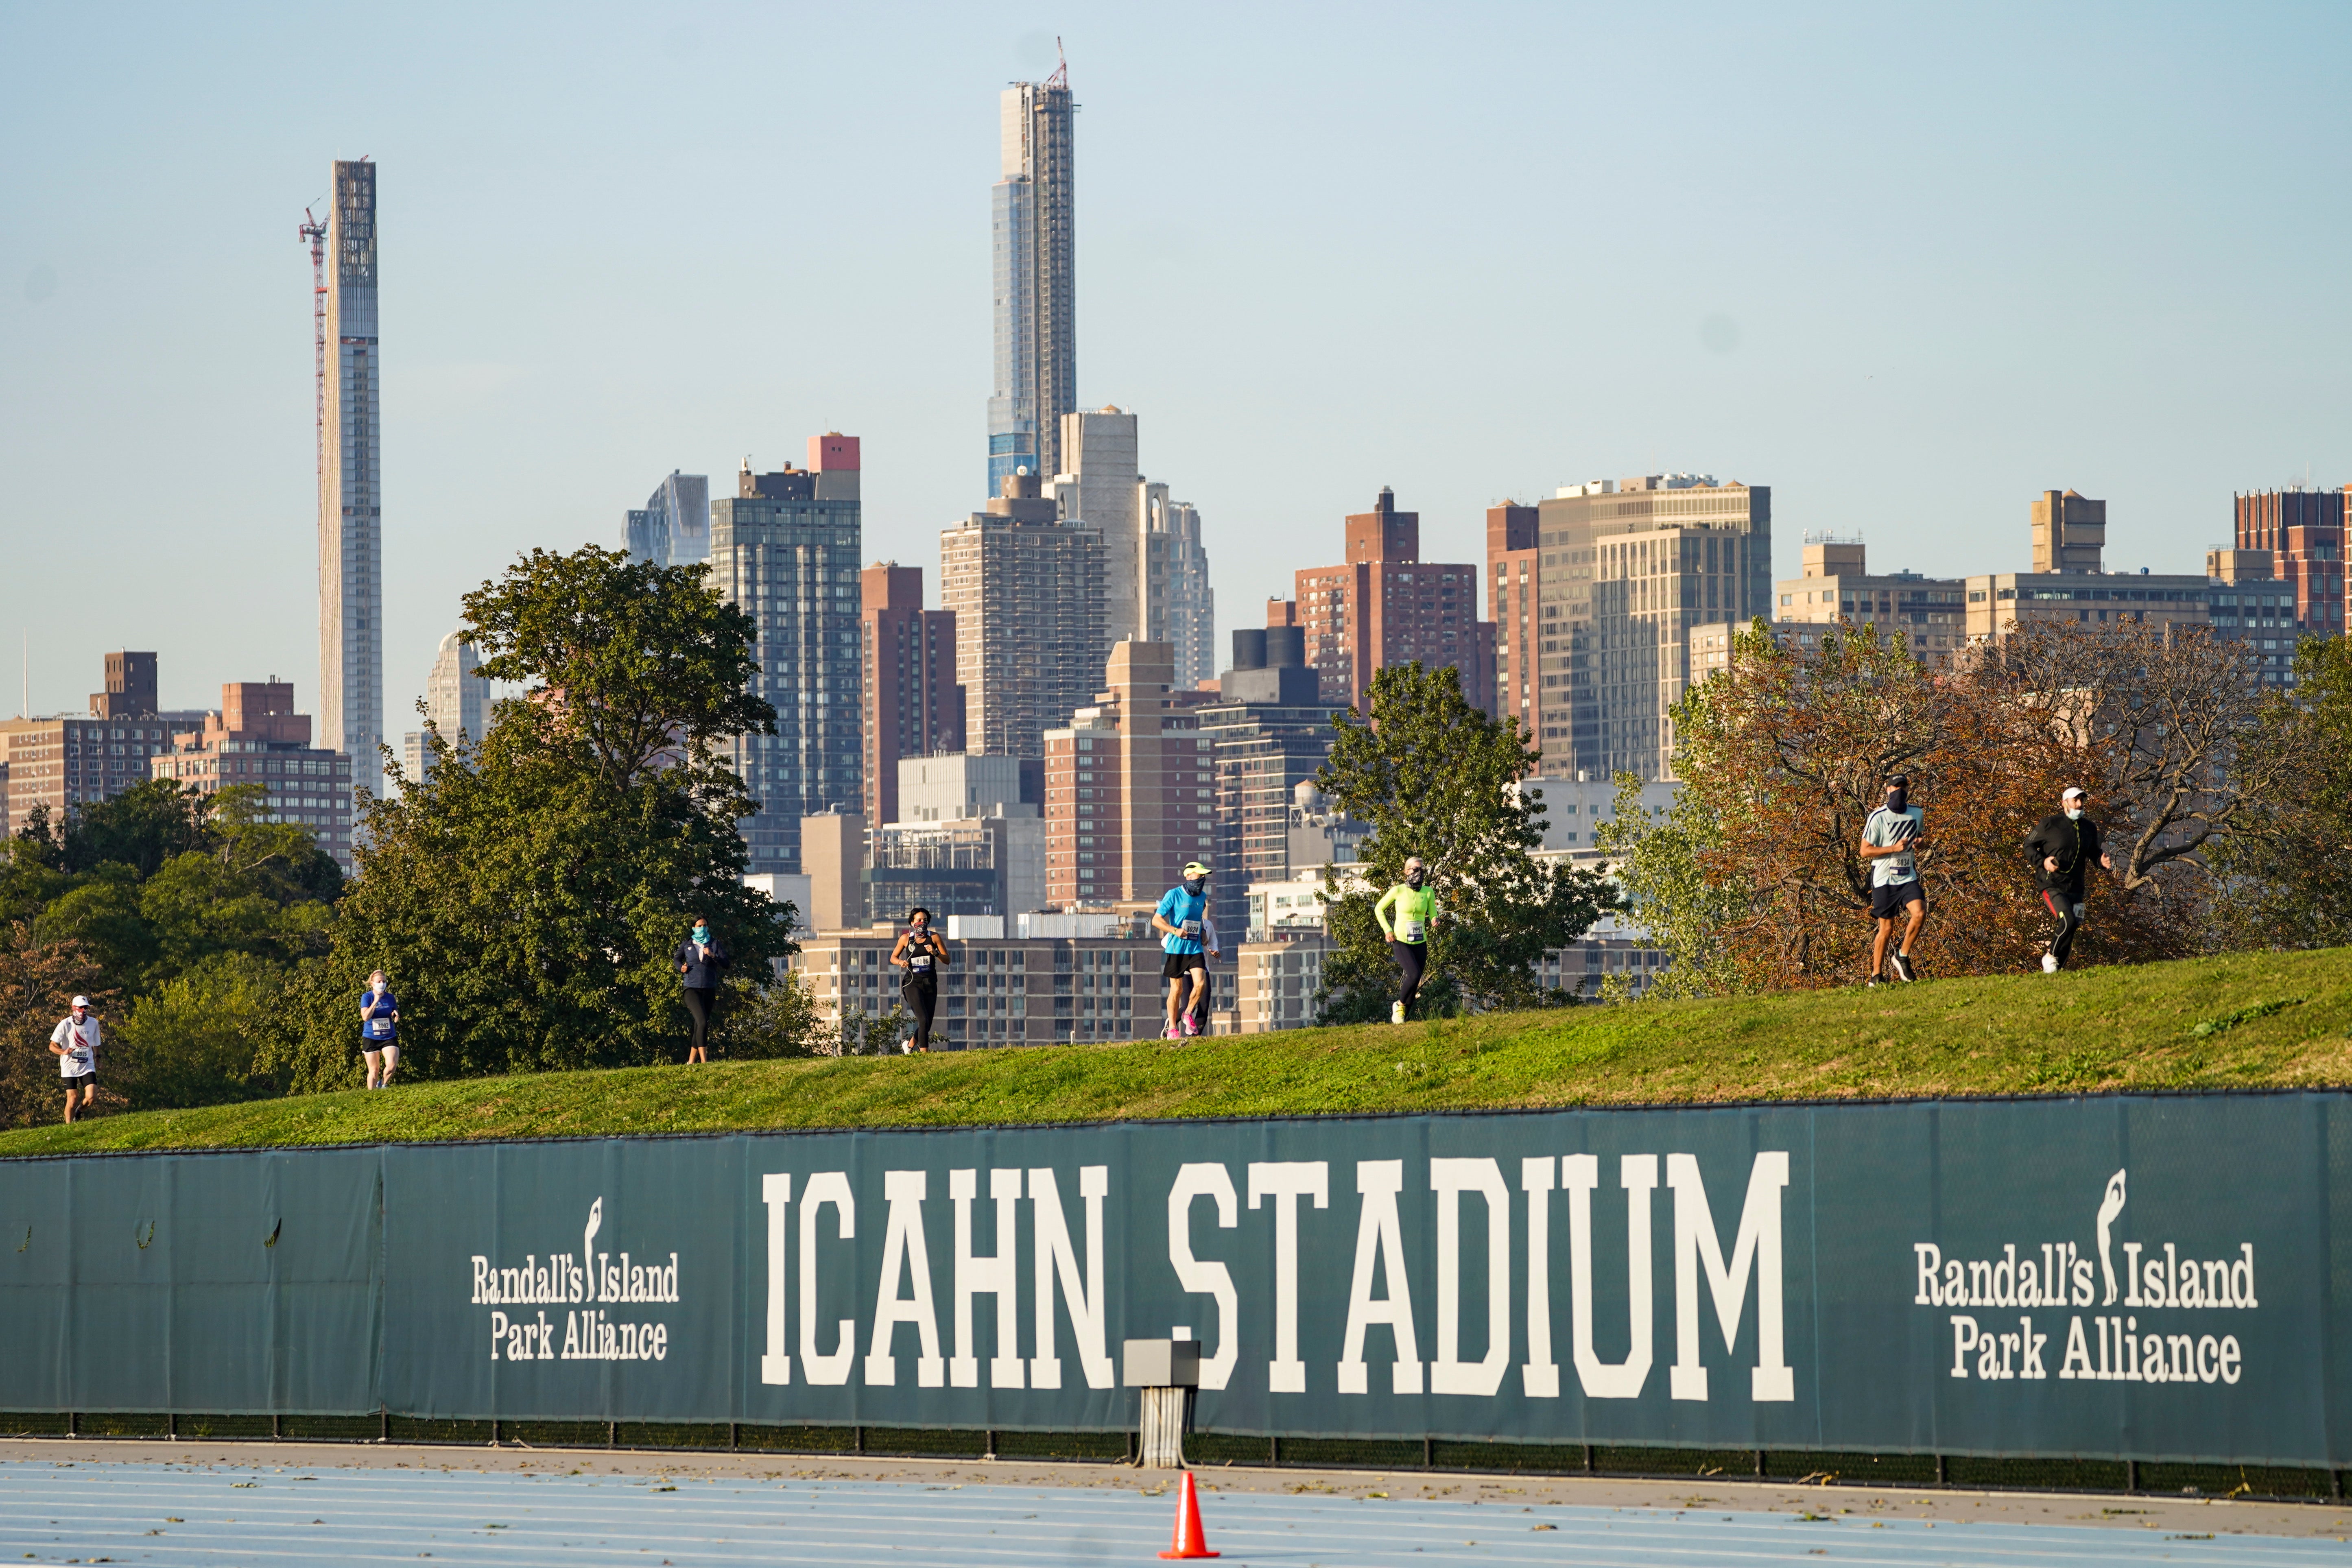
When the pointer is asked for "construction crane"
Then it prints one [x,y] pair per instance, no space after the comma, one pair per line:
[1061,76]
[315,233]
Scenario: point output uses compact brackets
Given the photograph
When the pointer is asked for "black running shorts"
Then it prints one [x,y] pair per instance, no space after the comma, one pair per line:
[1889,897]
[1179,964]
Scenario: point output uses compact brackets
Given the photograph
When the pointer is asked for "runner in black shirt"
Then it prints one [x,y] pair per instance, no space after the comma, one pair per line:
[2061,850]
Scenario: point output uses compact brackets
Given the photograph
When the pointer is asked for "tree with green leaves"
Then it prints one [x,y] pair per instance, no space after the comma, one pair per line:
[160,877]
[1437,778]
[140,827]
[1660,861]
[527,894]
[773,1015]
[2285,876]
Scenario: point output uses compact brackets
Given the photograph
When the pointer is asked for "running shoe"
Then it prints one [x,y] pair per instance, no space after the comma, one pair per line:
[1170,1032]
[1396,1011]
[1869,983]
[1902,967]
[2049,963]
[1191,1028]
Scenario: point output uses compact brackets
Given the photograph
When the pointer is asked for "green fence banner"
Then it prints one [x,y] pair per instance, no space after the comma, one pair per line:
[2144,1277]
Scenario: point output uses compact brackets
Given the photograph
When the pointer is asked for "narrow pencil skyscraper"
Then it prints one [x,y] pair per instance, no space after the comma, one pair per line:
[350,544]
[1036,288]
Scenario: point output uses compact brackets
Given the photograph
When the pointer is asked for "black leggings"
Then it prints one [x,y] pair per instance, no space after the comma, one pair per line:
[2066,903]
[922,997]
[701,1001]
[1413,957]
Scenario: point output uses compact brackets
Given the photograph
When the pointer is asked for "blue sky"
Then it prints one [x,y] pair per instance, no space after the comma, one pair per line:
[1908,266]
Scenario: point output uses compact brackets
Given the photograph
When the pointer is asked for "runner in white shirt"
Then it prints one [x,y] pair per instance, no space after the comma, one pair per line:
[74,1042]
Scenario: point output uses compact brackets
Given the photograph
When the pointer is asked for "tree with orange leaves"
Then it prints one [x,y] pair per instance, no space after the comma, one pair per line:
[1784,754]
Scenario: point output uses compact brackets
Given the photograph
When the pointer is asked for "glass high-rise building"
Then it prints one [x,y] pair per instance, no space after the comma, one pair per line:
[1036,247]
[351,501]
[785,550]
[673,529]
[1177,604]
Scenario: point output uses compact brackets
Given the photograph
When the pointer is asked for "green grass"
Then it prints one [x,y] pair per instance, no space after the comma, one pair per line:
[2246,1020]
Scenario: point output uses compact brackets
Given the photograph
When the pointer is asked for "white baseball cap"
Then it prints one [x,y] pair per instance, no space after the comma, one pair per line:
[81,1000]
[2071,791]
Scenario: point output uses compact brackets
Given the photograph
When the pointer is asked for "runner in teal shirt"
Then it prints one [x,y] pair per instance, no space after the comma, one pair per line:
[1181,920]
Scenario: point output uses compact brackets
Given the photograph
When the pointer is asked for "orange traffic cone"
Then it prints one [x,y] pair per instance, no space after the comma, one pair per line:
[1190,1542]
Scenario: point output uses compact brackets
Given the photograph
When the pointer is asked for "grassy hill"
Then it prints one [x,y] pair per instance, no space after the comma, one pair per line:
[2255,1019]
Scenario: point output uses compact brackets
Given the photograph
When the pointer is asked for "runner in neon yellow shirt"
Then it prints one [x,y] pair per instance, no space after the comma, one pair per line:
[1415,905]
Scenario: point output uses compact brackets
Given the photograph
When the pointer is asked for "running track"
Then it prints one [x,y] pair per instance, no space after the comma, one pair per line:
[213,1514]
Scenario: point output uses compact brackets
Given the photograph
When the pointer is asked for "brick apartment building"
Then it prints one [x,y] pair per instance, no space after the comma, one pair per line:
[256,738]
[1129,791]
[2304,532]
[65,760]
[1384,605]
[913,706]
[1616,573]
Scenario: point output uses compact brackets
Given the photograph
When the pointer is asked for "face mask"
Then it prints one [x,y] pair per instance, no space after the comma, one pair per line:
[1196,886]
[1415,879]
[1896,800]
[702,934]
[2073,813]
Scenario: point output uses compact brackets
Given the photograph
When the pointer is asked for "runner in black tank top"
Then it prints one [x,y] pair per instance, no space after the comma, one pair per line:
[922,955]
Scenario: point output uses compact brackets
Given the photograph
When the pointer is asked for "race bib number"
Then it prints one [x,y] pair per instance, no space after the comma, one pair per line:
[1191,931]
[920,963]
[81,1055]
[379,1027]
[1409,931]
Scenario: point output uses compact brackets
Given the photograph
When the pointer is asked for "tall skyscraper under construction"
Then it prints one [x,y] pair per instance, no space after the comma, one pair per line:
[351,513]
[1037,283]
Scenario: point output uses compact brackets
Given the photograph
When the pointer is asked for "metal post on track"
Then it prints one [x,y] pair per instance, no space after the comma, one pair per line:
[2131,1475]
[734,1437]
[1588,1459]
[1943,1472]
[1428,1453]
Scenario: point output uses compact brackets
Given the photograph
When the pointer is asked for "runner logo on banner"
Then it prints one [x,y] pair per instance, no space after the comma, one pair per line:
[567,1280]
[2116,1347]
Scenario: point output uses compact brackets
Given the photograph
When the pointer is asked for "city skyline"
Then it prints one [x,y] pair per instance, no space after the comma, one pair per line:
[1876,346]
